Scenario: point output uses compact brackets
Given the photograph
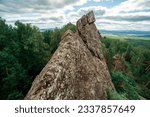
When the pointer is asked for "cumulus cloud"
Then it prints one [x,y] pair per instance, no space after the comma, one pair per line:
[102,0]
[26,6]
[55,13]
[109,24]
[132,5]
[130,17]
[130,14]
[75,15]
[98,10]
[37,11]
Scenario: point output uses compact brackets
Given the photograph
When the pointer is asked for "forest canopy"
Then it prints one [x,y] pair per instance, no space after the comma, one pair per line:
[24,51]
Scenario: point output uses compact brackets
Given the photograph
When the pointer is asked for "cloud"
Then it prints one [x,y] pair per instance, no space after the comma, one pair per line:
[130,10]
[37,11]
[130,17]
[131,14]
[122,25]
[26,6]
[73,16]
[102,0]
[132,5]
[55,13]
[98,10]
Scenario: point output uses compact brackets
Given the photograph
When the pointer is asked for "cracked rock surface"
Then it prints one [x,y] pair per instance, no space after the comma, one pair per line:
[77,70]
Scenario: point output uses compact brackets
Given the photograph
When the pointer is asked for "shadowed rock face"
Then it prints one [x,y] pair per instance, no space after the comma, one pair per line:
[77,69]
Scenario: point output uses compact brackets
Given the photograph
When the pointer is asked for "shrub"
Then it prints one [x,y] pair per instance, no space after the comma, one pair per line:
[124,84]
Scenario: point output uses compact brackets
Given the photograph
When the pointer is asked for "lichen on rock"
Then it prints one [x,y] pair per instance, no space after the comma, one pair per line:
[77,70]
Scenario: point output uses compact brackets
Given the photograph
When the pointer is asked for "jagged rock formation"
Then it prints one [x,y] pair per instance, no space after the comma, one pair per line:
[77,69]
[119,63]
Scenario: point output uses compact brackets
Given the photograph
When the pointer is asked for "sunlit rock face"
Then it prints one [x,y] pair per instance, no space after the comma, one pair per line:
[77,69]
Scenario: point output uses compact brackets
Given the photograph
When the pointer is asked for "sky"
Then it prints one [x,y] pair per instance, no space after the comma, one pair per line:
[110,14]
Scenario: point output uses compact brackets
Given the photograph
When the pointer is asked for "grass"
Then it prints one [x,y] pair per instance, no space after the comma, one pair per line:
[135,40]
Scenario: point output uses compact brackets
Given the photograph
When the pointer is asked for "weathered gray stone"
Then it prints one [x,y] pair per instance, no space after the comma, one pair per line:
[79,25]
[77,69]
[84,20]
[91,17]
[67,33]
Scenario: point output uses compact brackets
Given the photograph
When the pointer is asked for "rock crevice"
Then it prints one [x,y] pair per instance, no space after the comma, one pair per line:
[89,33]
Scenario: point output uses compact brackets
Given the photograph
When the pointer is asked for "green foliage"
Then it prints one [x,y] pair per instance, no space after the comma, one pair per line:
[114,95]
[53,37]
[124,84]
[136,79]
[113,47]
[23,54]
[15,95]
[70,26]
[144,91]
[24,51]
[33,50]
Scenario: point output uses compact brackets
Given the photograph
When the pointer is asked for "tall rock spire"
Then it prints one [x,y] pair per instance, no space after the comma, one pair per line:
[77,70]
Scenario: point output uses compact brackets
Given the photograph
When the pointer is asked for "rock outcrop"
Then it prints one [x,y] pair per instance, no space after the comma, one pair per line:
[119,63]
[77,70]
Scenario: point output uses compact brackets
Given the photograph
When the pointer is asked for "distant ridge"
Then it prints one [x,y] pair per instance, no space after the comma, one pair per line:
[42,30]
[117,32]
[127,32]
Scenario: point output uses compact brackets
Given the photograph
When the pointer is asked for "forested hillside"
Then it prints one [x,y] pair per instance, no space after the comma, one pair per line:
[129,66]
[25,50]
